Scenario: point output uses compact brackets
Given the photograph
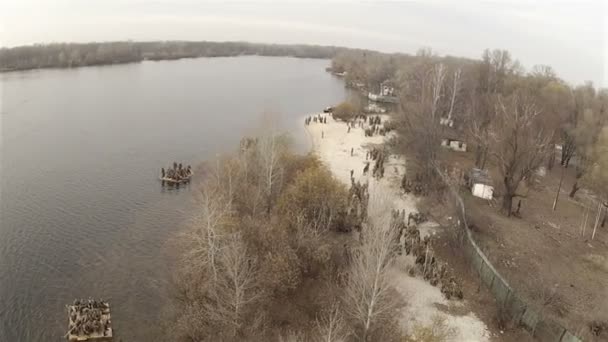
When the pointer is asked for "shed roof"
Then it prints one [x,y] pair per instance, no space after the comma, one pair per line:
[451,133]
[479,176]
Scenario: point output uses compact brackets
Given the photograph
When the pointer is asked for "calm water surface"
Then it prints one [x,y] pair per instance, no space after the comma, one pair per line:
[81,210]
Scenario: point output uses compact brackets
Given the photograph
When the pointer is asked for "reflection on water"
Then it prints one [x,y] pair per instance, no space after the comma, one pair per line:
[82,212]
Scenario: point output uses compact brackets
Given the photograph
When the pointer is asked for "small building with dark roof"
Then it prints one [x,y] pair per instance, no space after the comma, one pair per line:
[450,138]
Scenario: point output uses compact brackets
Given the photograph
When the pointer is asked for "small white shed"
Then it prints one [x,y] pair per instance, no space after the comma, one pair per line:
[483,191]
[454,144]
[452,138]
[481,184]
[446,122]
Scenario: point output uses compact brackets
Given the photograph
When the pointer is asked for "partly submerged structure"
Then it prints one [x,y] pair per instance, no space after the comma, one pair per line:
[89,320]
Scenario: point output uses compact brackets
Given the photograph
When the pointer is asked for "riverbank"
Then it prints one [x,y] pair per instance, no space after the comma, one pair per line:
[53,56]
[342,150]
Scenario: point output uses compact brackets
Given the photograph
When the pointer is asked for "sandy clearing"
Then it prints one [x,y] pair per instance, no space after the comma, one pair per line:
[332,143]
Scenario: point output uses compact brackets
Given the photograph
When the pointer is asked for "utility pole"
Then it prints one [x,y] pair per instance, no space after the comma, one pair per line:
[559,188]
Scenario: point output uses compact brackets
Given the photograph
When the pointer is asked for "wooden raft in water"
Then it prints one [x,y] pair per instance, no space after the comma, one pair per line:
[174,181]
[89,320]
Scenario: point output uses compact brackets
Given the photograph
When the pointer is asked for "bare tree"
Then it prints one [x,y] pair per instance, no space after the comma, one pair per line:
[271,145]
[292,336]
[331,327]
[367,295]
[478,126]
[215,207]
[586,133]
[455,90]
[220,282]
[569,125]
[493,72]
[237,289]
[419,124]
[597,177]
[436,88]
[217,279]
[519,144]
[557,100]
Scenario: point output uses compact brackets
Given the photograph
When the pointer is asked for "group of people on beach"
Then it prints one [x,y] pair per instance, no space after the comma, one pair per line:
[315,118]
[410,241]
[177,173]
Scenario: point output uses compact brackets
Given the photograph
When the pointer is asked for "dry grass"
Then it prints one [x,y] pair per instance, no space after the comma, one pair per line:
[437,331]
[596,260]
[542,254]
[550,299]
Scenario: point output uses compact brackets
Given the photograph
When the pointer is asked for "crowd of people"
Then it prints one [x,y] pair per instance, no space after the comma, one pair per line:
[176,174]
[432,270]
[315,118]
[89,317]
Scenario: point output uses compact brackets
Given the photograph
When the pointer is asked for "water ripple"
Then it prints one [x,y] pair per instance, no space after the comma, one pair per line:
[81,210]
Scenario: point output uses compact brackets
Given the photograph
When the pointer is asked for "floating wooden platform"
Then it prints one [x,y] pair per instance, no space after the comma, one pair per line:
[89,320]
[176,181]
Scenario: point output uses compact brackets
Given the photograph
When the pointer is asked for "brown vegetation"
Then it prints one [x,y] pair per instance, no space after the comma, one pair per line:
[272,256]
[519,144]
[346,111]
[515,122]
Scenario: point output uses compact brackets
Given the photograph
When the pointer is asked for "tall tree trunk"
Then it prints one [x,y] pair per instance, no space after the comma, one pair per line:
[507,203]
[484,157]
[478,150]
[575,188]
[567,161]
[551,161]
[559,188]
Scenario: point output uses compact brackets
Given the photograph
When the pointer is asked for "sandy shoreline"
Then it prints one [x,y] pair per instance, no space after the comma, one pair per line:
[332,143]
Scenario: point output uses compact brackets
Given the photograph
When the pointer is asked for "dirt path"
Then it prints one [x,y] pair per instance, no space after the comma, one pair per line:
[332,143]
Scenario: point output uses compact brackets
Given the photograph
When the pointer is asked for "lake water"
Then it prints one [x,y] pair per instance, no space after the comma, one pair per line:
[82,212]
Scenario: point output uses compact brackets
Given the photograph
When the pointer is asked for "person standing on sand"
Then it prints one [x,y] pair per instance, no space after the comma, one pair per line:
[322,134]
[352,149]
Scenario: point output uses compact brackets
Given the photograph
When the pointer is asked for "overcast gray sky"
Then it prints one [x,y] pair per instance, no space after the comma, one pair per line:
[571,36]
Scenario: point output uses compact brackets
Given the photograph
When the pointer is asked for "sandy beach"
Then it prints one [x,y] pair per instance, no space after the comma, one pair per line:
[332,143]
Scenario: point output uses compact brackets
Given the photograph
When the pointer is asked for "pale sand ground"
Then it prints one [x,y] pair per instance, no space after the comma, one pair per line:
[421,297]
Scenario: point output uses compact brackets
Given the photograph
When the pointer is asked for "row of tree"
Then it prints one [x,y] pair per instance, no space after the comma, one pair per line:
[68,55]
[271,255]
[514,119]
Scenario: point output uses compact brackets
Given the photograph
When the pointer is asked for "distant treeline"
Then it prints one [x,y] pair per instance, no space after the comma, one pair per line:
[70,55]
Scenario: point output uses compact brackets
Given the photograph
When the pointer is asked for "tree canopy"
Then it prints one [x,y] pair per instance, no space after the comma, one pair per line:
[69,55]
